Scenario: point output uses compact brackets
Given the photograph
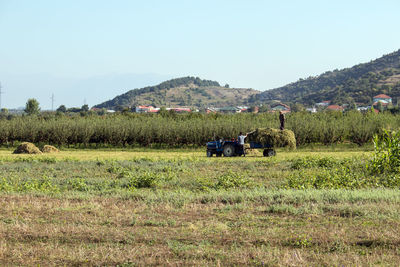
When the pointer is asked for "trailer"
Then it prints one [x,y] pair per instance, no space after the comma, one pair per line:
[268,151]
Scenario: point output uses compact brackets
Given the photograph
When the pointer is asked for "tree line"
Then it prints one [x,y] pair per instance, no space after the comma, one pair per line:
[195,129]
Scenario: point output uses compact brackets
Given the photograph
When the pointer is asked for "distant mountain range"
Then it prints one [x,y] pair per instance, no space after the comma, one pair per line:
[357,84]
[187,91]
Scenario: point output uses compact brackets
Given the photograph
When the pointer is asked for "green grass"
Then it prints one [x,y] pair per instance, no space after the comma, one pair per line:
[161,207]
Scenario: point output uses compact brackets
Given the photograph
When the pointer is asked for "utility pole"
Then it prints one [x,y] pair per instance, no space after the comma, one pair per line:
[1,92]
[52,102]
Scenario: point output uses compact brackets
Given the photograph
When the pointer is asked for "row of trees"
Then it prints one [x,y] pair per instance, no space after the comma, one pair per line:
[32,107]
[189,129]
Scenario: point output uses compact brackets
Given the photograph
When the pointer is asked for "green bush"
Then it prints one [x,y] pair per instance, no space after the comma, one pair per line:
[231,180]
[336,178]
[315,162]
[144,180]
[387,153]
[78,184]
[328,173]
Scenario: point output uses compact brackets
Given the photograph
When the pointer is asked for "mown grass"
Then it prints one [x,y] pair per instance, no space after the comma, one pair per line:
[155,207]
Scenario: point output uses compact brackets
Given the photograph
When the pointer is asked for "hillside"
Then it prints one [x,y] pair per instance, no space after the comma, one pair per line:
[187,91]
[357,84]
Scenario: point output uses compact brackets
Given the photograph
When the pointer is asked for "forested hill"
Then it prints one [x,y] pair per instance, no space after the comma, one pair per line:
[187,91]
[357,84]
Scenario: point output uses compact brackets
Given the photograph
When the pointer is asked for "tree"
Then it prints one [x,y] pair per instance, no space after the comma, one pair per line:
[85,108]
[226,86]
[62,109]
[102,111]
[353,106]
[297,107]
[119,108]
[32,107]
[74,110]
[264,108]
[372,110]
[379,106]
[163,112]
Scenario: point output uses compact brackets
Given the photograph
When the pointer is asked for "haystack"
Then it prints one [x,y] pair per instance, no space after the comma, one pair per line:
[274,137]
[50,149]
[249,151]
[27,148]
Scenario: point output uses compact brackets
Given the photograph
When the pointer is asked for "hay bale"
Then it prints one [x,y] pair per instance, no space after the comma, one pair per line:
[50,149]
[27,148]
[274,137]
[253,152]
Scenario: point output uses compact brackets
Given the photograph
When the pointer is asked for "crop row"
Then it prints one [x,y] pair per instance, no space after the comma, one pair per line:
[190,129]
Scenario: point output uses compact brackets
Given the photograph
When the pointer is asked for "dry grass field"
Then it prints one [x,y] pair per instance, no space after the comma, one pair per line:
[177,207]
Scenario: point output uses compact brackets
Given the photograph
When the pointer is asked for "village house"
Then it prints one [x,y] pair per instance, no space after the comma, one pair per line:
[385,100]
[210,110]
[143,109]
[323,103]
[311,110]
[230,110]
[280,107]
[364,108]
[243,109]
[154,110]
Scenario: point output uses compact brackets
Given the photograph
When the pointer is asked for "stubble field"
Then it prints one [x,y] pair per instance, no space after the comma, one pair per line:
[314,206]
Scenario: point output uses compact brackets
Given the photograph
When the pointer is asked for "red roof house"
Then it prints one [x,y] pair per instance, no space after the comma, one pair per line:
[383,96]
[384,99]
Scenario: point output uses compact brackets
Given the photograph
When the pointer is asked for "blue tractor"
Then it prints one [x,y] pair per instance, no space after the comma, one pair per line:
[232,148]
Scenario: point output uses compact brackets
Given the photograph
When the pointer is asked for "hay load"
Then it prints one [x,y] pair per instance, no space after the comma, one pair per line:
[274,137]
[50,149]
[27,148]
[249,151]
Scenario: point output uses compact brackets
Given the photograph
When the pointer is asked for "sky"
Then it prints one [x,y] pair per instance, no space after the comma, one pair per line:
[89,51]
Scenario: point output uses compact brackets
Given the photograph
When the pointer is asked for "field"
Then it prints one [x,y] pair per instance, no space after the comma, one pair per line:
[314,206]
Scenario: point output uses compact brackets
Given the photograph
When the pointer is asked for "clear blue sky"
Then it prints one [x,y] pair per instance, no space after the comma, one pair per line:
[94,49]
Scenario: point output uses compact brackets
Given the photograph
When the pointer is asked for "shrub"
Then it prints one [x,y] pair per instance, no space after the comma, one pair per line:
[387,153]
[231,180]
[144,180]
[78,184]
[315,162]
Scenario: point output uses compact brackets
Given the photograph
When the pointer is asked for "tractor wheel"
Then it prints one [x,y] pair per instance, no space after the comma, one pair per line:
[269,152]
[209,153]
[229,151]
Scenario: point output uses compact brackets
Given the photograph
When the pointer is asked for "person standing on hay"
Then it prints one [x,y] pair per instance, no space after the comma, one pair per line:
[282,120]
[241,142]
